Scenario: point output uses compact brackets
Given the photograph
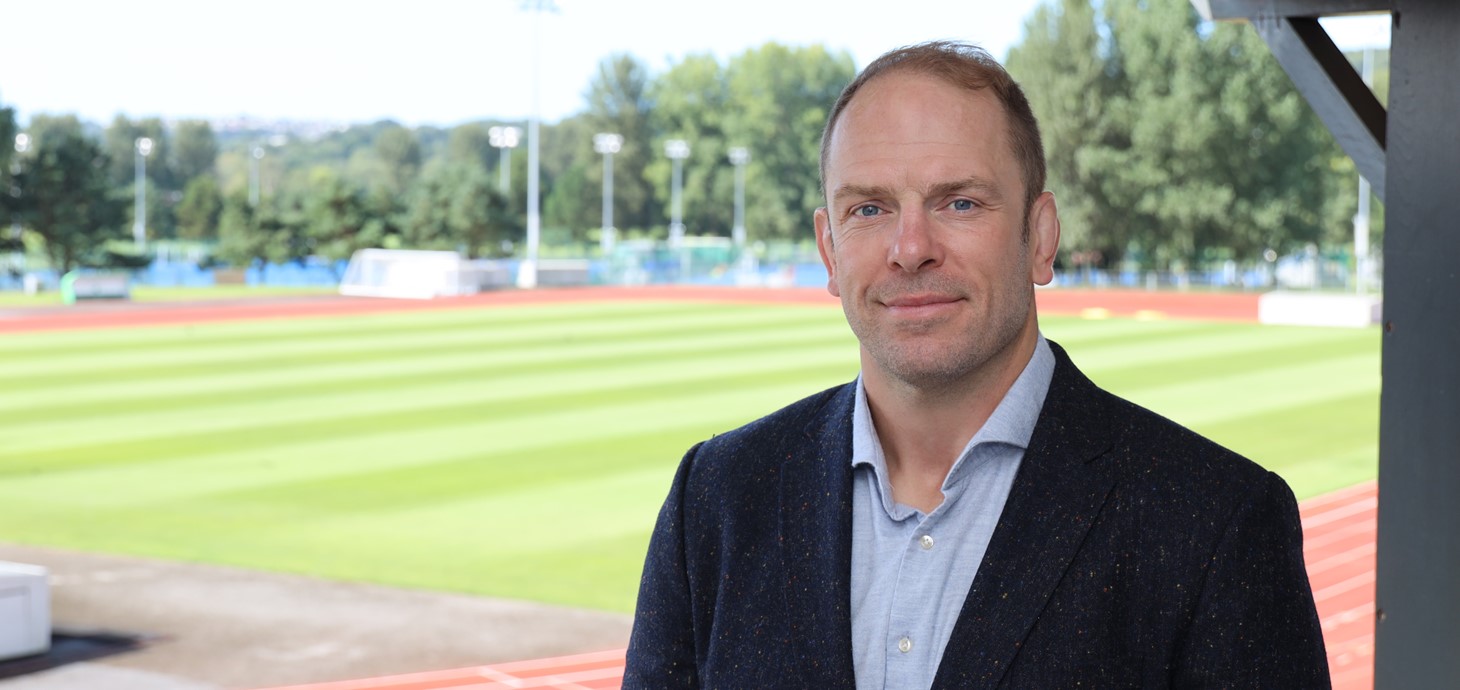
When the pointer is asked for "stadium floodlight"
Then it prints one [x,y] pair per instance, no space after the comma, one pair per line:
[504,139]
[139,209]
[607,144]
[253,175]
[22,144]
[677,150]
[739,156]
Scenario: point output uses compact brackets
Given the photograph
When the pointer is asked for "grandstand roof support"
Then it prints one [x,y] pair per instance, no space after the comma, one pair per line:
[1319,69]
[1417,624]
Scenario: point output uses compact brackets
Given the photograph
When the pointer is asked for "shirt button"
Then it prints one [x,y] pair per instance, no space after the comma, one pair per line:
[926,542]
[904,645]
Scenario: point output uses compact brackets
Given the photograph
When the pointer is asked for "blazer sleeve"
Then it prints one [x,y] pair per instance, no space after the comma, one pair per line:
[661,650]
[1255,623]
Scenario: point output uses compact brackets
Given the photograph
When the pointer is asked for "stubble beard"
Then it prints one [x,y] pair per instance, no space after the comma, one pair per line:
[933,357]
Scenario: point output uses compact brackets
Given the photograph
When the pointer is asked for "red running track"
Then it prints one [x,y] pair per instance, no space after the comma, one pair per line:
[123,314]
[1339,533]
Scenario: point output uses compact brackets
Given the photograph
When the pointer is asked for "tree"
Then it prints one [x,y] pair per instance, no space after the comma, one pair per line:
[1061,65]
[457,207]
[619,103]
[68,200]
[194,151]
[470,144]
[9,190]
[120,140]
[400,152]
[780,97]
[337,221]
[573,196]
[691,102]
[197,213]
[121,145]
[1185,143]
[240,240]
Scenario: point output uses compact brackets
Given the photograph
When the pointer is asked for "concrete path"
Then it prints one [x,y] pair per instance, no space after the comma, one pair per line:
[218,628]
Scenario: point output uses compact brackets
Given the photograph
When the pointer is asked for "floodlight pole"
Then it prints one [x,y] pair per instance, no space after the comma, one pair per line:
[254,161]
[504,139]
[739,156]
[527,273]
[139,209]
[22,144]
[607,144]
[677,150]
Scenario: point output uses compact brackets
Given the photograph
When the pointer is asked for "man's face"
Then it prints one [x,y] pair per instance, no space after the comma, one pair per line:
[923,232]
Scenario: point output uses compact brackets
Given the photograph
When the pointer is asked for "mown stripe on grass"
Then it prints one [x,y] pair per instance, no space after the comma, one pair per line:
[328,411]
[270,382]
[524,452]
[184,359]
[219,467]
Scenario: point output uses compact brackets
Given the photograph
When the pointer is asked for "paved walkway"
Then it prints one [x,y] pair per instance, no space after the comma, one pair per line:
[219,628]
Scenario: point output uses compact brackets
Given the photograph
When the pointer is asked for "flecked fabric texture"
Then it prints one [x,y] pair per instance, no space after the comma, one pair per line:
[1131,553]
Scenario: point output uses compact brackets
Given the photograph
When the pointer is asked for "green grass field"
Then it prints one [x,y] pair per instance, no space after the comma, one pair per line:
[524,451]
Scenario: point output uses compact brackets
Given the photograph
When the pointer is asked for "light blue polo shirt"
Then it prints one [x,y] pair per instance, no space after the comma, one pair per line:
[910,570]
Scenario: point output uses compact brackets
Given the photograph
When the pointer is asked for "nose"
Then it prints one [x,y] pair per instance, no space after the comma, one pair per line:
[914,246]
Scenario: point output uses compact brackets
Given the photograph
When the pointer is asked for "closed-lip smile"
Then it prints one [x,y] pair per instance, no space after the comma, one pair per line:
[920,300]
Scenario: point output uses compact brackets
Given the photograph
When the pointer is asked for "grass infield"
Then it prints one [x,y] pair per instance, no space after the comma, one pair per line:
[523,452]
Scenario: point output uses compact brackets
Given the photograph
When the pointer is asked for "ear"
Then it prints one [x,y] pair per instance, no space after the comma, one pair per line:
[1044,238]
[823,245]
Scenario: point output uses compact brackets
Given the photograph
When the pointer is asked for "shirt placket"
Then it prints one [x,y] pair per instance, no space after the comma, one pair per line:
[911,658]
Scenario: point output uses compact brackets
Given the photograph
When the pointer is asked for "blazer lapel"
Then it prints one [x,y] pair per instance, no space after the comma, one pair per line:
[816,547]
[1054,500]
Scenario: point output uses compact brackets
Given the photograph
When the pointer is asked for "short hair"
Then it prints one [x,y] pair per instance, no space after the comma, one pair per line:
[967,66]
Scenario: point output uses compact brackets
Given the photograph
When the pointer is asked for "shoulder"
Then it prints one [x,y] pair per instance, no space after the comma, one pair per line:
[1152,456]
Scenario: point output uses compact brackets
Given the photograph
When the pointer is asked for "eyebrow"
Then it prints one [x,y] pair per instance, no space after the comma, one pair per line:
[972,183]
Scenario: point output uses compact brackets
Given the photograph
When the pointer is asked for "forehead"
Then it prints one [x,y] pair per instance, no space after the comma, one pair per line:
[906,117]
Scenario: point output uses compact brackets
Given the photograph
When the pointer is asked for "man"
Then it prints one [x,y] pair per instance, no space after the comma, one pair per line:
[972,511]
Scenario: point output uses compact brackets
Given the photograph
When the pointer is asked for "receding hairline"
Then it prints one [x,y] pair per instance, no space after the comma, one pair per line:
[966,67]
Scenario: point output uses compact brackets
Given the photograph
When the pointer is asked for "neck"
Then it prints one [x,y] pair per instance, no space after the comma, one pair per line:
[924,429]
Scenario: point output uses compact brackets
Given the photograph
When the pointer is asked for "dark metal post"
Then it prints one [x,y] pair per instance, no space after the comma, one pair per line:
[1418,627]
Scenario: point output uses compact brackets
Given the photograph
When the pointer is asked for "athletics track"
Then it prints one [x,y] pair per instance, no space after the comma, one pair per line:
[1339,528]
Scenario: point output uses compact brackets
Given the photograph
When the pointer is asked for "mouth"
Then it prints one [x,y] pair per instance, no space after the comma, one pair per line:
[921,305]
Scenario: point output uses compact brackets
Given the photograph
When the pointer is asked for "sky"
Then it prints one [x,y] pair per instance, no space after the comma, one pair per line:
[438,62]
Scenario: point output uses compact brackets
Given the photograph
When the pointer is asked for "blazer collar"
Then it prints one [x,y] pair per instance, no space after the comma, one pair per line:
[1055,499]
[1056,496]
[816,546]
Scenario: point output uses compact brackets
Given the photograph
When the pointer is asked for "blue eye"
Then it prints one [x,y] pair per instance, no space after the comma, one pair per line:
[962,205]
[866,211]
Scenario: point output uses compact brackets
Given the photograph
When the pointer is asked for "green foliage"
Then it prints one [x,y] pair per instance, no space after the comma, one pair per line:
[471,144]
[1177,140]
[340,219]
[240,238]
[619,103]
[457,207]
[67,199]
[9,193]
[782,97]
[194,152]
[197,213]
[400,153]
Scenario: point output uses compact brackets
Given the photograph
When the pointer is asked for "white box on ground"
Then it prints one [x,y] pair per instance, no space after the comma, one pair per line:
[25,610]
[1318,309]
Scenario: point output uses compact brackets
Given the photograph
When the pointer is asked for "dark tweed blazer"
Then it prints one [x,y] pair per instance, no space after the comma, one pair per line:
[1131,553]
